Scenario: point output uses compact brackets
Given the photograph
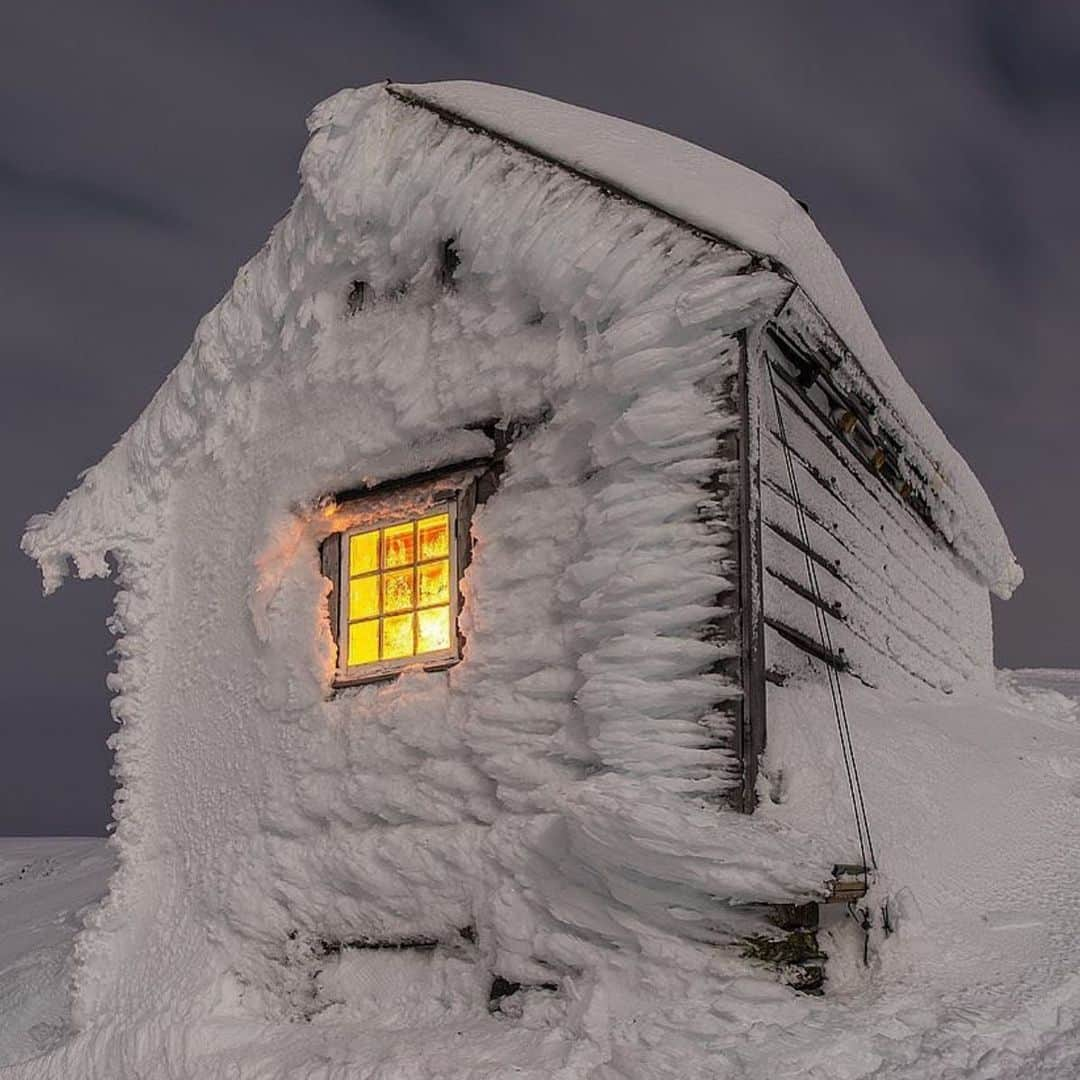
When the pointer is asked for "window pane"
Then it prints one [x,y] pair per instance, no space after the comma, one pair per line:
[398,590]
[363,642]
[364,597]
[398,545]
[398,593]
[397,636]
[433,583]
[434,536]
[364,552]
[433,629]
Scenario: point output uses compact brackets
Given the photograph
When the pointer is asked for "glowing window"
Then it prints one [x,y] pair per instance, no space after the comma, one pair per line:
[398,596]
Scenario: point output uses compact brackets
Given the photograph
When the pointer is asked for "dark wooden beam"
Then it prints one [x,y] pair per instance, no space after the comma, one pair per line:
[502,433]
[330,562]
[887,475]
[831,566]
[833,609]
[752,733]
[807,644]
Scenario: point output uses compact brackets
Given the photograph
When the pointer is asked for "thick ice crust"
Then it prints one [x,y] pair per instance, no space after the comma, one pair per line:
[557,794]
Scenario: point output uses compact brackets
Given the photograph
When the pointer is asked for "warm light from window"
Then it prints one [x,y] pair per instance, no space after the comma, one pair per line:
[398,600]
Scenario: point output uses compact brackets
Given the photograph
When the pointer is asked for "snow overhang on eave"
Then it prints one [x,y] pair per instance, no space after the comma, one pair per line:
[105,514]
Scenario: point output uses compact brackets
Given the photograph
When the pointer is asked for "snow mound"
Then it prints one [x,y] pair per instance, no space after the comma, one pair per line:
[46,886]
[975,808]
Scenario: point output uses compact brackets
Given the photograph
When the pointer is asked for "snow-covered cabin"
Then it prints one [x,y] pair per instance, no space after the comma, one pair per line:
[467,557]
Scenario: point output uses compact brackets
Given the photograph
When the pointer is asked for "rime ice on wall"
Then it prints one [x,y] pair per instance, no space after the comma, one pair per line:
[900,604]
[557,791]
[727,200]
[555,795]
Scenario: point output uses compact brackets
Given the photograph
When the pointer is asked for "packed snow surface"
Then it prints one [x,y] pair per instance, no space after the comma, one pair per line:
[976,811]
[45,887]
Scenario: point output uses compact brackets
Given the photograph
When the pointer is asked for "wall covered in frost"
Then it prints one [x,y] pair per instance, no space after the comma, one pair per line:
[557,793]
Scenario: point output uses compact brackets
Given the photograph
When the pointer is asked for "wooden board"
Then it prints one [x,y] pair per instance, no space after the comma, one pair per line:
[898,601]
[740,722]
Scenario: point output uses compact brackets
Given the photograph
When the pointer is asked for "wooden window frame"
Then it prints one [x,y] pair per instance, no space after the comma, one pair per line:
[456,491]
[465,485]
[430,661]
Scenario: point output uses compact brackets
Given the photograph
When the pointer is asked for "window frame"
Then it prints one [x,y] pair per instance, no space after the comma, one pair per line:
[357,674]
[460,487]
[466,484]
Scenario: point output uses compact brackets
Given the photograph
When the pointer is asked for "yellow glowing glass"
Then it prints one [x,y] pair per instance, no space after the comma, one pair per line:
[434,535]
[433,583]
[364,597]
[364,552]
[399,545]
[398,590]
[433,629]
[363,642]
[397,636]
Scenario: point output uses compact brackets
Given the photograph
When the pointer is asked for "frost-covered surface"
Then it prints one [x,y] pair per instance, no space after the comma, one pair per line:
[907,610]
[975,804]
[550,809]
[728,200]
[695,185]
[45,886]
[558,791]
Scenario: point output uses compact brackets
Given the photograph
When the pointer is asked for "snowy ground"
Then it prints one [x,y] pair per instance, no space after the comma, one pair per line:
[978,828]
[44,886]
[976,810]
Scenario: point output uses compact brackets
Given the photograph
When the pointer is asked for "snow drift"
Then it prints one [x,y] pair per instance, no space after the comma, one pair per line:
[976,800]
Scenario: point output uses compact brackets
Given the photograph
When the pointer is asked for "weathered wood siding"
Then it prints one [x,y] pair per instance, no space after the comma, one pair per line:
[734,512]
[899,604]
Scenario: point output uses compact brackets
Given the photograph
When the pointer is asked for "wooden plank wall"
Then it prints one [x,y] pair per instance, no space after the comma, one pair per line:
[901,607]
[738,723]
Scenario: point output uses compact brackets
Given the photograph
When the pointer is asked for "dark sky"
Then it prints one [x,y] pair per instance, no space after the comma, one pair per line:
[147,149]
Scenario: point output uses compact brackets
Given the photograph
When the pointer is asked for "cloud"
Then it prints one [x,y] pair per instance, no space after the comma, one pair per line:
[152,146]
[26,193]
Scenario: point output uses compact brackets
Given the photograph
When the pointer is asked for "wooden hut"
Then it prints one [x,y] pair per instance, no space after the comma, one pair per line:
[460,558]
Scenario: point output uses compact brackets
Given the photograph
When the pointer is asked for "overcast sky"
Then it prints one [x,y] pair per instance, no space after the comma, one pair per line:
[149,147]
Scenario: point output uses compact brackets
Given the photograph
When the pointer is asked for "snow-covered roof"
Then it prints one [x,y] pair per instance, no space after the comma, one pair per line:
[703,189]
[735,204]
[713,195]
